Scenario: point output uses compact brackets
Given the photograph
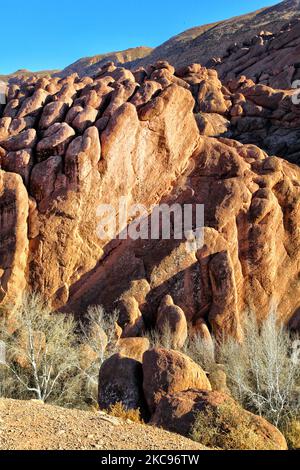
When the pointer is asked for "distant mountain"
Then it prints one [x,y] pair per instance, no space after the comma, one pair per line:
[89,65]
[26,73]
[200,44]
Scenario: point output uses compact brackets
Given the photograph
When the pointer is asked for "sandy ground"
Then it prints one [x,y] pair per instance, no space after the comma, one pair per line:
[32,425]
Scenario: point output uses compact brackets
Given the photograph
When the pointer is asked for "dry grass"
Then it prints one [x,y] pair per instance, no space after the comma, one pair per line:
[118,410]
[292,435]
[223,428]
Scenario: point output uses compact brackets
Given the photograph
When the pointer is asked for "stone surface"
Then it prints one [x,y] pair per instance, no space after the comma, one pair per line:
[177,413]
[167,372]
[171,318]
[120,381]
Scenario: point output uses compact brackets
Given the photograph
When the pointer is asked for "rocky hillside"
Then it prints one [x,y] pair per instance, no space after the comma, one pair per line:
[201,44]
[90,65]
[152,136]
[231,46]
[35,426]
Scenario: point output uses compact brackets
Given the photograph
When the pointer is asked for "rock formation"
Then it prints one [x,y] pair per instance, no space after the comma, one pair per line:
[178,413]
[157,135]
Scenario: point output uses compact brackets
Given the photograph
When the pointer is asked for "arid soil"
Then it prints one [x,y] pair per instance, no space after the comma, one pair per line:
[35,426]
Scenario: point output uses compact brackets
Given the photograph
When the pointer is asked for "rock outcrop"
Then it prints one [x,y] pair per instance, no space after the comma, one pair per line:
[166,372]
[120,381]
[69,146]
[179,412]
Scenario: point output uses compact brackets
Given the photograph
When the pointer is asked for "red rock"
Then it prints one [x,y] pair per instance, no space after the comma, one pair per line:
[177,413]
[133,348]
[20,162]
[13,235]
[167,372]
[53,113]
[55,141]
[172,317]
[26,139]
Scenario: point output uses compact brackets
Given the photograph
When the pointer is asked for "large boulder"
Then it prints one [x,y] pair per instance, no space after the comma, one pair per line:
[217,420]
[55,141]
[166,372]
[120,381]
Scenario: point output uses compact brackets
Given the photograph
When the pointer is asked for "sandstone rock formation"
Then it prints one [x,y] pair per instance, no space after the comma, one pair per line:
[178,412]
[268,58]
[120,381]
[69,145]
[166,372]
[171,319]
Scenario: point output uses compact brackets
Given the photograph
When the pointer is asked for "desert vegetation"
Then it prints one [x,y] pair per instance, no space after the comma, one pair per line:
[52,358]
[262,372]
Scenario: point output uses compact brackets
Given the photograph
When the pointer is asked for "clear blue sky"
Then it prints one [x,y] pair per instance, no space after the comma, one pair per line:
[41,34]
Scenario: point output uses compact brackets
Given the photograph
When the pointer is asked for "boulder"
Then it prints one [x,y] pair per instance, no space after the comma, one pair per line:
[166,372]
[20,162]
[133,348]
[120,381]
[171,318]
[53,113]
[24,140]
[55,142]
[216,420]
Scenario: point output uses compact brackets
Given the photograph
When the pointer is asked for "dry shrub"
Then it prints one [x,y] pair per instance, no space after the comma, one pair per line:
[99,342]
[223,428]
[292,435]
[118,410]
[201,351]
[41,355]
[163,338]
[262,373]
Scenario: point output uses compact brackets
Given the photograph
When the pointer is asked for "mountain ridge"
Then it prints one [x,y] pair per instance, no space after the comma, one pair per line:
[198,44]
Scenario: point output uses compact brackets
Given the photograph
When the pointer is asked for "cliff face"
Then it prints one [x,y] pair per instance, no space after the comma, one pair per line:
[152,136]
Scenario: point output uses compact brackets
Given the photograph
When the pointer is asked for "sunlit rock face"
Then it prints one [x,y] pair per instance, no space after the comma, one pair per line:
[154,136]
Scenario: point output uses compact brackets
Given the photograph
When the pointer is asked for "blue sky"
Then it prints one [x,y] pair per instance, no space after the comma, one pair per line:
[51,34]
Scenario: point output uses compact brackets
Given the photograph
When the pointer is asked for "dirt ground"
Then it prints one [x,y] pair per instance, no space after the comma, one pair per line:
[31,425]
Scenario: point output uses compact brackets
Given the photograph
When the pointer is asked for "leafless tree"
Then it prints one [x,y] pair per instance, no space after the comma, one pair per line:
[262,373]
[98,332]
[41,354]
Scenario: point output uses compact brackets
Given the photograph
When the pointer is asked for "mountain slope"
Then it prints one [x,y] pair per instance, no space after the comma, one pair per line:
[89,65]
[202,43]
[199,44]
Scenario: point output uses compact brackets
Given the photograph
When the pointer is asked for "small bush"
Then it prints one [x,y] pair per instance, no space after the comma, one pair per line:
[118,410]
[163,338]
[201,351]
[223,428]
[292,435]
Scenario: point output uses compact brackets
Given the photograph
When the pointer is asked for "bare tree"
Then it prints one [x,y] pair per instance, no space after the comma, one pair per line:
[41,354]
[262,373]
[98,333]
